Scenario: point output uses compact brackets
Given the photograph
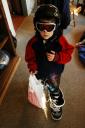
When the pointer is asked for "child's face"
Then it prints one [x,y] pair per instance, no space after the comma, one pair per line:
[46,29]
[46,35]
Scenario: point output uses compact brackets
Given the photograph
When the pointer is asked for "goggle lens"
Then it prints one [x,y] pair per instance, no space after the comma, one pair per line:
[45,26]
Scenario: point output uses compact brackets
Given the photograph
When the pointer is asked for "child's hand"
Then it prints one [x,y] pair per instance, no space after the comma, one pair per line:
[51,55]
[35,72]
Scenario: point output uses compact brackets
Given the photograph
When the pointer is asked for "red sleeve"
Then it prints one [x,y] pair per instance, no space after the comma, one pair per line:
[64,55]
[30,57]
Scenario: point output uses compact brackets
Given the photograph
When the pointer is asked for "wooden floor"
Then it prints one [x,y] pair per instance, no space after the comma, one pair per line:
[17,21]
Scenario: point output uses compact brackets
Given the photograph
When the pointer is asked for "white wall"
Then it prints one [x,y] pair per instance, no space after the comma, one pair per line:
[27,6]
[81,1]
[30,5]
[8,16]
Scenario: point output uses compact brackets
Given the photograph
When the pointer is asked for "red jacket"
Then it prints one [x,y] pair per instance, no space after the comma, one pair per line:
[62,57]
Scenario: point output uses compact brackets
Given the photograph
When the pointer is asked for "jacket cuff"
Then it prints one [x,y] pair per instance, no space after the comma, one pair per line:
[56,58]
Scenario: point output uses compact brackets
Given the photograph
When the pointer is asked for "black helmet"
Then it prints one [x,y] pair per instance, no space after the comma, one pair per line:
[47,12]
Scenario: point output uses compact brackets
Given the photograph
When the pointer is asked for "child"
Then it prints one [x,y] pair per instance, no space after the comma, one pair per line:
[47,52]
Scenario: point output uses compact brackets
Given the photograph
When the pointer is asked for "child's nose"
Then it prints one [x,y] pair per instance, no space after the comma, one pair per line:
[45,30]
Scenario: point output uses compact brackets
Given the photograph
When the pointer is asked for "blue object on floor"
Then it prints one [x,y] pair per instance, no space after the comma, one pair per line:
[81,49]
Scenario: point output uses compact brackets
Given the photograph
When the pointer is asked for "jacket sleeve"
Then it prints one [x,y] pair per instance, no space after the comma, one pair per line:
[30,57]
[64,56]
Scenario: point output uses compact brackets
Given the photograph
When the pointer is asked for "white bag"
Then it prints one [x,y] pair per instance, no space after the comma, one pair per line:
[36,95]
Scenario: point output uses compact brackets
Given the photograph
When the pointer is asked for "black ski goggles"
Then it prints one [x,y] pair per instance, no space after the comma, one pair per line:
[45,26]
